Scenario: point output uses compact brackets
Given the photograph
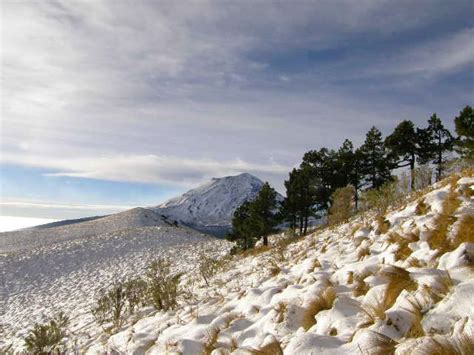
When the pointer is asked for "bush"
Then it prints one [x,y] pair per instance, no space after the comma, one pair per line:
[383,197]
[135,293]
[46,338]
[208,267]
[342,206]
[110,307]
[162,285]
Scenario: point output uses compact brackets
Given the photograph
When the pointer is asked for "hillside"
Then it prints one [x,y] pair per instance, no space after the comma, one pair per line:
[210,207]
[402,284]
[69,230]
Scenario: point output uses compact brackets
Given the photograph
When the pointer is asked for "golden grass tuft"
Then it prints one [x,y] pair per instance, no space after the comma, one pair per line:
[464,232]
[378,344]
[211,340]
[323,301]
[362,252]
[382,224]
[273,348]
[274,268]
[438,238]
[422,208]
[398,280]
[403,250]
[459,344]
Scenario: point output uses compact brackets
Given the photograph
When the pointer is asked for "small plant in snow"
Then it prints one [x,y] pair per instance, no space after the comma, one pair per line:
[110,307]
[47,337]
[207,268]
[162,285]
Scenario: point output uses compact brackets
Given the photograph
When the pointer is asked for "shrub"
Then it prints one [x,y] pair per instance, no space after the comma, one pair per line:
[162,285]
[208,267]
[342,207]
[46,338]
[111,305]
[135,292]
[380,199]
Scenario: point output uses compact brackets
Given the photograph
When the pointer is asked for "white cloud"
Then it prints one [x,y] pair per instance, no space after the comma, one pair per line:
[171,92]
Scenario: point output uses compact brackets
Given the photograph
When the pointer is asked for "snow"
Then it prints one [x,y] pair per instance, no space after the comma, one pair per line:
[268,300]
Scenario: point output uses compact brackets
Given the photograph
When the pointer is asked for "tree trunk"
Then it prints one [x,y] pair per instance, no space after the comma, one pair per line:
[305,224]
[440,160]
[412,171]
[265,240]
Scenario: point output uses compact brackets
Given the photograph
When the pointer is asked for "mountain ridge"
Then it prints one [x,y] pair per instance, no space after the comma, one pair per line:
[210,206]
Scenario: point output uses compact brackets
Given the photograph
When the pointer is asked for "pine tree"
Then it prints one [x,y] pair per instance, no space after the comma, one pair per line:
[403,147]
[243,232]
[376,165]
[264,211]
[435,141]
[351,169]
[300,200]
[465,129]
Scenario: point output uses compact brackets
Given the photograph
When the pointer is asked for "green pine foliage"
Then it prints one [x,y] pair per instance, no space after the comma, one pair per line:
[464,124]
[377,166]
[255,219]
[435,143]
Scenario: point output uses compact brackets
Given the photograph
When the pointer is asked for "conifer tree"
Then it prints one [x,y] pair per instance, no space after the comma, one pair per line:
[435,141]
[403,147]
[243,230]
[465,130]
[264,211]
[376,165]
[351,163]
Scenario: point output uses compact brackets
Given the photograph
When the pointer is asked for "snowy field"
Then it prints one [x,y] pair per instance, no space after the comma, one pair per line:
[67,276]
[356,288]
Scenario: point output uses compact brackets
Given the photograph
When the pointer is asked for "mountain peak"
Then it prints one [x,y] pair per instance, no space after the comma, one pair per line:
[212,204]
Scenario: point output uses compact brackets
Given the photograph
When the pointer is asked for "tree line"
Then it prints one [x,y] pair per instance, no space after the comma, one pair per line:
[310,188]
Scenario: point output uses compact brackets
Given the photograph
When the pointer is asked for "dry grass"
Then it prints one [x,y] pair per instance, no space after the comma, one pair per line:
[274,268]
[403,250]
[211,340]
[378,344]
[323,301]
[438,238]
[362,252]
[415,309]
[382,225]
[398,280]
[422,208]
[461,344]
[254,251]
[281,309]
[273,348]
[464,232]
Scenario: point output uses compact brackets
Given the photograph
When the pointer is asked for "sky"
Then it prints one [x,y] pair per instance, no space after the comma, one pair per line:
[107,105]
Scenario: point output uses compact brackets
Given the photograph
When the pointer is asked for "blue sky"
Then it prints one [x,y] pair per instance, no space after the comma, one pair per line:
[108,105]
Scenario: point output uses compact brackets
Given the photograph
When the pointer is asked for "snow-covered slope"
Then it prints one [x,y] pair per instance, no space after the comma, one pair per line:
[402,284]
[356,288]
[69,274]
[64,231]
[210,206]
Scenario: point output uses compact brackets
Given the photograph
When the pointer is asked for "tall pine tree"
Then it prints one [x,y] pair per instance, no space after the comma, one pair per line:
[403,147]
[376,165]
[435,141]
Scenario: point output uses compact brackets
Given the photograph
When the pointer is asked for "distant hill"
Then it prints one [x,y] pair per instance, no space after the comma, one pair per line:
[73,229]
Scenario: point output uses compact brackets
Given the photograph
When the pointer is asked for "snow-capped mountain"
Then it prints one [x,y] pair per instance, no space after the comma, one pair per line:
[210,207]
